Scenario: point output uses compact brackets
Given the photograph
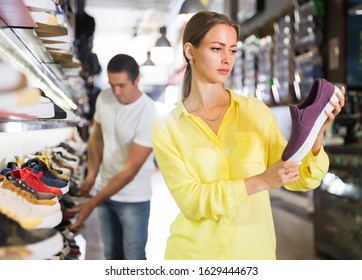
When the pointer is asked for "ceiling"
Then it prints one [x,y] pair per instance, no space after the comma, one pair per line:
[135,16]
[132,26]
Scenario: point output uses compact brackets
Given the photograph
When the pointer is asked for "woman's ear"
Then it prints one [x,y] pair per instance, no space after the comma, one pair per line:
[188,49]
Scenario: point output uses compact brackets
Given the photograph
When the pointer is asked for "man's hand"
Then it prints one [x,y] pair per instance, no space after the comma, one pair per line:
[83,210]
[86,187]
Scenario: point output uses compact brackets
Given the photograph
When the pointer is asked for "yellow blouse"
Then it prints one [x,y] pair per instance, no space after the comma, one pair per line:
[205,174]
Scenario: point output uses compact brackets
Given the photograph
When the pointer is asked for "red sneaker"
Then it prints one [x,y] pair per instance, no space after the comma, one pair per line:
[33,180]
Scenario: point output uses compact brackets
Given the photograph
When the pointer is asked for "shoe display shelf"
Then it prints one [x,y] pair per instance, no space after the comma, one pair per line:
[283,60]
[250,49]
[338,205]
[264,70]
[22,46]
[308,38]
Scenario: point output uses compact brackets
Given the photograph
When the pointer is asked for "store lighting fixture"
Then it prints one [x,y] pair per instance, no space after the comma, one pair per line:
[163,41]
[163,52]
[193,6]
[148,61]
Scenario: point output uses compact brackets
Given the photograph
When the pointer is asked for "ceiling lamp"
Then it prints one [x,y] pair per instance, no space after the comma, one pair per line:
[193,6]
[148,61]
[162,52]
[163,41]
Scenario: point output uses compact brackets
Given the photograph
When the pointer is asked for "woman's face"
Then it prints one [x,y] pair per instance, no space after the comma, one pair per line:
[215,56]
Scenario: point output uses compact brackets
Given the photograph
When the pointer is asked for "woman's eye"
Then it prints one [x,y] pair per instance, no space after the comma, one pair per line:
[216,49]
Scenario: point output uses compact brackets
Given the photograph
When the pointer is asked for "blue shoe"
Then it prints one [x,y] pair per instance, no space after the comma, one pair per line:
[39,167]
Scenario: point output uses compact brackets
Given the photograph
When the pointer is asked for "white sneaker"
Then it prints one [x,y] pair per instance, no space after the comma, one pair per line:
[43,109]
[51,215]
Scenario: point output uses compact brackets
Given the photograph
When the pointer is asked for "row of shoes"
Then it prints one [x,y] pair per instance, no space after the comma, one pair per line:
[34,199]
[19,101]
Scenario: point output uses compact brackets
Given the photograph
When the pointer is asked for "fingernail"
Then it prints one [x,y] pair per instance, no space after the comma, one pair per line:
[299,163]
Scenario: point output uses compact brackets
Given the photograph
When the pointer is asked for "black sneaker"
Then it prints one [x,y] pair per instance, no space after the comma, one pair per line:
[17,242]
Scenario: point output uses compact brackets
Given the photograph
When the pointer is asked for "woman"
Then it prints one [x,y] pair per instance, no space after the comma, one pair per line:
[219,154]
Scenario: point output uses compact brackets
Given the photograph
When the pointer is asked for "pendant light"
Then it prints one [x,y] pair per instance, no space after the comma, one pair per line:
[148,61]
[193,6]
[162,52]
[163,41]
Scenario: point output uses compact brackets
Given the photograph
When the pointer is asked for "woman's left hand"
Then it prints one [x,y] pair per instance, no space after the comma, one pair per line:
[330,117]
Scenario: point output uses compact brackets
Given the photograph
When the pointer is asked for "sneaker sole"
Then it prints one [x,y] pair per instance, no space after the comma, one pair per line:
[65,189]
[51,220]
[308,143]
[46,248]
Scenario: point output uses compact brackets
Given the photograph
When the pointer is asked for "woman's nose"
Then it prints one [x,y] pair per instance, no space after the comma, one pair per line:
[226,57]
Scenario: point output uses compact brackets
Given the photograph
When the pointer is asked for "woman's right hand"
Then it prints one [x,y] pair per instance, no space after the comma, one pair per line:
[281,173]
[277,175]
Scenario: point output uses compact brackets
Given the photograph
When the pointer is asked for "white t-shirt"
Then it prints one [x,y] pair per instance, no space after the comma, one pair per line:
[121,126]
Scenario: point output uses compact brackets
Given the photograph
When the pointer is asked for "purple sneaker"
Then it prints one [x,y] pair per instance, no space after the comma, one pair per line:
[308,118]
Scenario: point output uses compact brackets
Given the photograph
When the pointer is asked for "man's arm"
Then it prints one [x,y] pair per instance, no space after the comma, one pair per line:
[95,155]
[136,157]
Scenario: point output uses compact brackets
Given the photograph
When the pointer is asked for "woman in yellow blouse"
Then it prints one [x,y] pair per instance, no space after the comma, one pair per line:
[219,154]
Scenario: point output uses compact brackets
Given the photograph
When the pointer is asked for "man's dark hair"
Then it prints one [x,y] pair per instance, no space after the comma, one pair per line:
[124,63]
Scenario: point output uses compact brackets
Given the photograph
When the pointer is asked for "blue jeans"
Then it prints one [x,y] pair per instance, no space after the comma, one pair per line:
[124,229]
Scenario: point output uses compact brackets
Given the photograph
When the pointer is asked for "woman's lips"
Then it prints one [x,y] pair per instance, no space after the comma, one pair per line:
[223,71]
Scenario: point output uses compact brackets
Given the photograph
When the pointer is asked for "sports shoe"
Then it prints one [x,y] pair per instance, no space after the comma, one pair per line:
[33,180]
[21,184]
[42,108]
[308,118]
[61,163]
[39,167]
[28,223]
[17,242]
[25,194]
[57,173]
[18,201]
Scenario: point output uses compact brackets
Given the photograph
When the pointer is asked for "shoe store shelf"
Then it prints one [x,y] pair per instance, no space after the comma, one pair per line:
[22,48]
[23,126]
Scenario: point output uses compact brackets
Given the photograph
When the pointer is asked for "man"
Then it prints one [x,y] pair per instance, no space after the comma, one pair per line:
[120,163]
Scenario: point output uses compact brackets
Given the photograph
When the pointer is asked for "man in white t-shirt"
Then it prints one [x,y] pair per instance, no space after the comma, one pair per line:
[120,163]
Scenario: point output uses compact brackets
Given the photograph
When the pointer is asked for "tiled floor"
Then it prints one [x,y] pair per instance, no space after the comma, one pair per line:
[294,227]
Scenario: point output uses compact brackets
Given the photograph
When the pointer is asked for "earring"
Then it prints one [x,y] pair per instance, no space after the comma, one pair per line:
[190,60]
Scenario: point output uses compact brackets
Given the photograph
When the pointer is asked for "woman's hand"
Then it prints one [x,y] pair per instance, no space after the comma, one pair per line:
[331,115]
[276,176]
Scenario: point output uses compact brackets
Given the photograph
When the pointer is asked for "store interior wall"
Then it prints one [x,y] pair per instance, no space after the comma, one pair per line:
[272,9]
